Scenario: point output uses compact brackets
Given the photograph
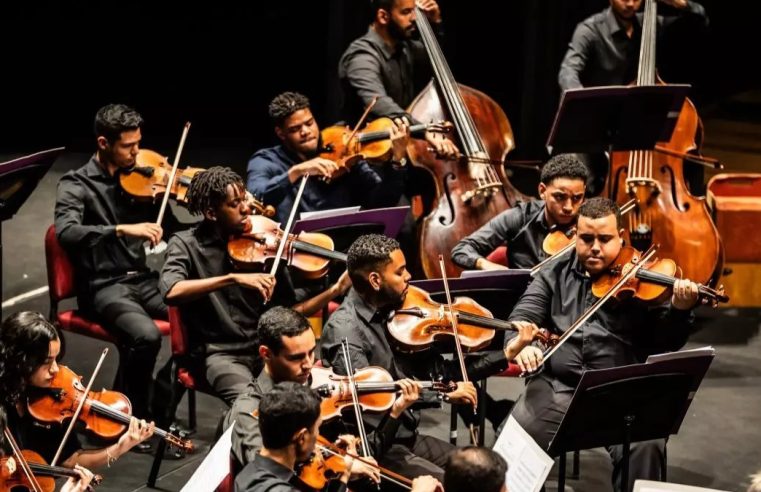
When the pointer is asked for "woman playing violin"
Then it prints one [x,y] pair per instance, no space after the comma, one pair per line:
[523,228]
[273,173]
[621,332]
[29,347]
[380,281]
[220,305]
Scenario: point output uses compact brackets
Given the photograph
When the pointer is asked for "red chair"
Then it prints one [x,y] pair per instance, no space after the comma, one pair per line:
[61,284]
[499,255]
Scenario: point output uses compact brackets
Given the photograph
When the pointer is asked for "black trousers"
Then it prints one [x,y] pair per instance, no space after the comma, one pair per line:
[424,455]
[127,311]
[541,410]
[229,374]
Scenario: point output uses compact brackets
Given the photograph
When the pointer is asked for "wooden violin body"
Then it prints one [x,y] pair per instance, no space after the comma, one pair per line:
[13,478]
[149,177]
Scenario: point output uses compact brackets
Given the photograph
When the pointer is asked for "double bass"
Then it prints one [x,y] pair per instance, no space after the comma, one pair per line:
[666,213]
[474,188]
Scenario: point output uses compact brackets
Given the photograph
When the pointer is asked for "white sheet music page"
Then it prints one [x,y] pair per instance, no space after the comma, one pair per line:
[527,464]
[214,468]
[650,486]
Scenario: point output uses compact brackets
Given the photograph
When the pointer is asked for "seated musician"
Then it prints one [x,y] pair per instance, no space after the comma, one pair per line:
[290,416]
[524,227]
[274,173]
[104,231]
[377,268]
[221,306]
[29,347]
[287,346]
[620,333]
[473,465]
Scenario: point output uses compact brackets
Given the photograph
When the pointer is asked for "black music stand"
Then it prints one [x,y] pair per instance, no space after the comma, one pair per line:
[18,179]
[615,118]
[496,290]
[629,404]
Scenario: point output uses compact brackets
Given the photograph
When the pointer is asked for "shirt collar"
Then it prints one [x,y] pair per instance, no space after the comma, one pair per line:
[272,466]
[207,234]
[364,310]
[93,169]
[374,38]
[612,23]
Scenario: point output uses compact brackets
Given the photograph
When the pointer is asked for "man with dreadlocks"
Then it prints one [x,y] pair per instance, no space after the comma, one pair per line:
[219,306]
[274,173]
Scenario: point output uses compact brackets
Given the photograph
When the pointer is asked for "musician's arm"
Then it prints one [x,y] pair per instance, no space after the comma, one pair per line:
[69,212]
[471,251]
[579,50]
[265,180]
[363,73]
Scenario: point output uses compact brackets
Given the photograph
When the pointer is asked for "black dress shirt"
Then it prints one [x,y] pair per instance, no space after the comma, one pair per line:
[89,205]
[365,329]
[266,475]
[364,186]
[620,333]
[221,321]
[522,228]
[369,68]
[41,437]
[600,53]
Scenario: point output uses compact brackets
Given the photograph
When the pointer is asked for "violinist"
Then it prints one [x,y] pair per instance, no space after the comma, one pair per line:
[219,305]
[287,346]
[621,332]
[104,230]
[290,416]
[380,280]
[273,173]
[390,64]
[29,347]
[523,228]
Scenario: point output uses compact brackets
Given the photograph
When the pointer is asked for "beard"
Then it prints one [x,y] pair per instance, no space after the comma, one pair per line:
[400,34]
[389,298]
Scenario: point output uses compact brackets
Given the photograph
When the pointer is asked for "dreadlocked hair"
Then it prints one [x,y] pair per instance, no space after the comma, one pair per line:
[285,104]
[208,189]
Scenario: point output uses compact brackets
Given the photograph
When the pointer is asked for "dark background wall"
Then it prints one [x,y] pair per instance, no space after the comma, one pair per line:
[218,64]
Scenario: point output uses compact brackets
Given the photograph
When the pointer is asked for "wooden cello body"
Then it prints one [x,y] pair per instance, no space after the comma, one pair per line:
[666,213]
[474,188]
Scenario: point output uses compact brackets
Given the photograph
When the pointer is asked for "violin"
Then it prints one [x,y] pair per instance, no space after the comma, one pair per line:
[346,146]
[11,475]
[327,463]
[421,321]
[309,252]
[376,390]
[558,239]
[105,413]
[149,177]
[652,282]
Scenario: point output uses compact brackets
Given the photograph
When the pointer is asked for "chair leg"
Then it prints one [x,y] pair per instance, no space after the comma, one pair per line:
[192,409]
[453,424]
[576,467]
[157,459]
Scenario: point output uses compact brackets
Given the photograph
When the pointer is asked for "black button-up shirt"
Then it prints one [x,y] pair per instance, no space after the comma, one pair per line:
[266,475]
[600,52]
[620,333]
[365,329]
[370,68]
[40,437]
[522,228]
[268,179]
[89,205]
[221,321]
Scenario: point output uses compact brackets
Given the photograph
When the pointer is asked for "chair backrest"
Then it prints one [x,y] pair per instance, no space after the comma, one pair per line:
[178,334]
[499,255]
[60,270]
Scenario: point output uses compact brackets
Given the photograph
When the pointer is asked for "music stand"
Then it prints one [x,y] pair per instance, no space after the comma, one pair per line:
[615,118]
[18,179]
[496,290]
[628,404]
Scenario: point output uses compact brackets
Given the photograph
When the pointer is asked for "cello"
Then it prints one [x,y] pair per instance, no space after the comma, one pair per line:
[474,188]
[666,214]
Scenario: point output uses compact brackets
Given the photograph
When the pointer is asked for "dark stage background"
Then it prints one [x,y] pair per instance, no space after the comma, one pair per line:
[218,64]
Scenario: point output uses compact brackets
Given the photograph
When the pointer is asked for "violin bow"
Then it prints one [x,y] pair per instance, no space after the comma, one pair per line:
[458,345]
[22,461]
[287,230]
[362,118]
[79,407]
[625,209]
[173,173]
[386,474]
[355,397]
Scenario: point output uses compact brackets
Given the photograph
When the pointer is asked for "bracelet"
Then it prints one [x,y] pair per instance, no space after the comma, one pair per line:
[110,459]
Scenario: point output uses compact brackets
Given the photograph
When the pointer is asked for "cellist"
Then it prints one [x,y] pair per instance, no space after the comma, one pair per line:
[620,333]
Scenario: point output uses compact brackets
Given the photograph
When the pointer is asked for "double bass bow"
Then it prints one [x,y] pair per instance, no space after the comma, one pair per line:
[474,188]
[666,212]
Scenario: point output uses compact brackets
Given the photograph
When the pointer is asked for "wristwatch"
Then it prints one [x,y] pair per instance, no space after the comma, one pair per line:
[400,163]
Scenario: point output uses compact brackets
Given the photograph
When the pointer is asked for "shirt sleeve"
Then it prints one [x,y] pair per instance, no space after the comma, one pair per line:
[176,267]
[378,187]
[494,233]
[246,436]
[534,304]
[363,73]
[342,325]
[579,51]
[69,212]
[693,9]
[666,329]
[266,181]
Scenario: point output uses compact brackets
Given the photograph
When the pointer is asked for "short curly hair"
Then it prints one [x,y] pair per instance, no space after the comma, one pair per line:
[24,346]
[113,119]
[564,166]
[368,253]
[285,104]
[599,207]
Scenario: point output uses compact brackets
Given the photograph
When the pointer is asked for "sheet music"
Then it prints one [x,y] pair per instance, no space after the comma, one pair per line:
[321,214]
[214,468]
[495,273]
[527,464]
[651,486]
[682,354]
